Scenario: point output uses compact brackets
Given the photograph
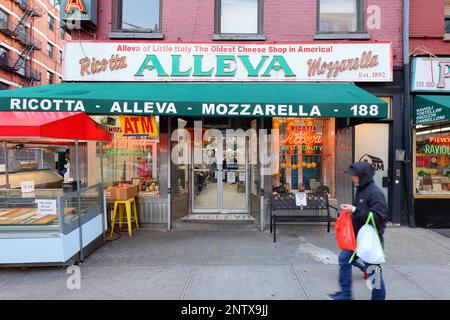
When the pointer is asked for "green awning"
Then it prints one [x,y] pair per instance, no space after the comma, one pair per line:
[200,99]
[431,108]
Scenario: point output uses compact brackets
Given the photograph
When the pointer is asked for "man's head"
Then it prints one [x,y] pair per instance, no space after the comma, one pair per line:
[362,173]
[67,154]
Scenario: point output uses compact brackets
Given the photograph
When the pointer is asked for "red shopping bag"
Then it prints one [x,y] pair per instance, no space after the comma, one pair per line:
[345,235]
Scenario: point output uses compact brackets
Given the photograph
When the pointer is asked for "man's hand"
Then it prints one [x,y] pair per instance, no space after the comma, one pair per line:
[348,207]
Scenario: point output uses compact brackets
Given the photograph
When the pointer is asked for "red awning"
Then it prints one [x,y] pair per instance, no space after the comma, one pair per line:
[57,125]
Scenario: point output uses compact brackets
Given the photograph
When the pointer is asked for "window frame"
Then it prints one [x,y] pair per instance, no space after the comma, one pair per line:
[49,45]
[62,34]
[218,35]
[360,33]
[446,18]
[6,17]
[50,75]
[60,56]
[119,33]
[51,25]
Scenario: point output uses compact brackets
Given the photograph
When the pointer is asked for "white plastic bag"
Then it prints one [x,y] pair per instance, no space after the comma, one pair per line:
[368,245]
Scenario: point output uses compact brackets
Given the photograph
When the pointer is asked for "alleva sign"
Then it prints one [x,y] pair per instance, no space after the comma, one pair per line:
[111,61]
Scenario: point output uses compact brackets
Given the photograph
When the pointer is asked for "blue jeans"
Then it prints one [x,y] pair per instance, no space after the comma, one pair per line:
[345,277]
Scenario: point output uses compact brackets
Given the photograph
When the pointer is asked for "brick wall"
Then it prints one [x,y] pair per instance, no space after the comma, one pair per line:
[287,20]
[427,27]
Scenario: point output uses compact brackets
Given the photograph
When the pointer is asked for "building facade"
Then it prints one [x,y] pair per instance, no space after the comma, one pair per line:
[258,22]
[215,107]
[31,43]
[430,89]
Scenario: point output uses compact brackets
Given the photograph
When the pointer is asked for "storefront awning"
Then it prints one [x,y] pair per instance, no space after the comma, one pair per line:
[200,99]
[431,108]
[56,125]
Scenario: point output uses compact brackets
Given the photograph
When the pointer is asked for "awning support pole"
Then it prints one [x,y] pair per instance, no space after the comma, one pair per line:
[169,173]
[5,150]
[77,174]
[102,193]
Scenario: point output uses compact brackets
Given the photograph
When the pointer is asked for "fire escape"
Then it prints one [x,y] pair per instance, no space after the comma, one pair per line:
[23,33]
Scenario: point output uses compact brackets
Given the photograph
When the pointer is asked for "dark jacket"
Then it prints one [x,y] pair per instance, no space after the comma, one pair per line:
[368,198]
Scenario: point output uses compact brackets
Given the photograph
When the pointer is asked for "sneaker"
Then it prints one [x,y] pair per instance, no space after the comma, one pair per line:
[331,296]
[337,296]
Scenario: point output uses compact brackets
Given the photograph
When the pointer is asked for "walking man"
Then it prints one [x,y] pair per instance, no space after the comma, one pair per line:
[368,198]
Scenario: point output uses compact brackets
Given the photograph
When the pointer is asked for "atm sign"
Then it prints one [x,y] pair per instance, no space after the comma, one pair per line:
[139,126]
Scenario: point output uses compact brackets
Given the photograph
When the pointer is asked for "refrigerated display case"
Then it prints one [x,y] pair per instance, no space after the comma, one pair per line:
[47,226]
[42,223]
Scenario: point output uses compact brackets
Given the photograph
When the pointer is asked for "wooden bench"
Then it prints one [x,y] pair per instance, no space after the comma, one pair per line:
[315,204]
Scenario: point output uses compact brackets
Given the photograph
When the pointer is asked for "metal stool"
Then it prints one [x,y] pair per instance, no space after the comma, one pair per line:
[127,204]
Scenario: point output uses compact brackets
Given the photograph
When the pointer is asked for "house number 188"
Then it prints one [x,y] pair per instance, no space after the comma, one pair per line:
[364,110]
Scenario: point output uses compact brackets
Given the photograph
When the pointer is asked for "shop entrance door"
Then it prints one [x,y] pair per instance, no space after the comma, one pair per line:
[376,152]
[220,183]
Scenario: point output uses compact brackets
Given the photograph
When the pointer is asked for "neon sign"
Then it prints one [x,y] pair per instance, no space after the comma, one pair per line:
[302,137]
[439,140]
[75,4]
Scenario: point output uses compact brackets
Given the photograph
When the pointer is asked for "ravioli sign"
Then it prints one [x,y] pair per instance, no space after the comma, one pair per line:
[139,126]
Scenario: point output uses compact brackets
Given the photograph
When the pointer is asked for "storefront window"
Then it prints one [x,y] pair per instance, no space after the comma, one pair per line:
[305,150]
[433,160]
[131,159]
[44,165]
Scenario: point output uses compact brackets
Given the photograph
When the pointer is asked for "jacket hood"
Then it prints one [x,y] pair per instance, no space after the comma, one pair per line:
[364,171]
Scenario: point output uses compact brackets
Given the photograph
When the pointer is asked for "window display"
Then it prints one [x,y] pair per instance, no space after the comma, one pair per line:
[433,160]
[132,156]
[43,164]
[304,150]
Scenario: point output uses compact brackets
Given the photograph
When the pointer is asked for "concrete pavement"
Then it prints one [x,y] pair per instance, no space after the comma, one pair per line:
[187,264]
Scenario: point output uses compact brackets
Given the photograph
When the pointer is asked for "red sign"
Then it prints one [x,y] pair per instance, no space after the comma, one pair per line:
[139,126]
[75,4]
[440,140]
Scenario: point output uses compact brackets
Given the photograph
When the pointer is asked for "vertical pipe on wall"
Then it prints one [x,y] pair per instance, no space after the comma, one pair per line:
[407,116]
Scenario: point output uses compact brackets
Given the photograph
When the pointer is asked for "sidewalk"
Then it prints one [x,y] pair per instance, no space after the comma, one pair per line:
[237,265]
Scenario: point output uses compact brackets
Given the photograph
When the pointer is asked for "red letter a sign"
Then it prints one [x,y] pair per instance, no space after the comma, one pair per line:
[75,4]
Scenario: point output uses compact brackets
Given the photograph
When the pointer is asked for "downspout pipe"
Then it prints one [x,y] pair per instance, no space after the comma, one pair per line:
[407,120]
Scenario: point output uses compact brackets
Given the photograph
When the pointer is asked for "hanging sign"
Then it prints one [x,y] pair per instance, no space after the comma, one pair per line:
[139,126]
[134,61]
[83,12]
[431,75]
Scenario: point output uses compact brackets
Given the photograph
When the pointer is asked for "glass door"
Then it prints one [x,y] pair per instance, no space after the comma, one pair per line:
[206,177]
[234,186]
[219,184]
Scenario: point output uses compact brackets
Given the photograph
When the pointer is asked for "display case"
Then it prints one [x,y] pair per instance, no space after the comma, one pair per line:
[432,161]
[49,226]
[43,178]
